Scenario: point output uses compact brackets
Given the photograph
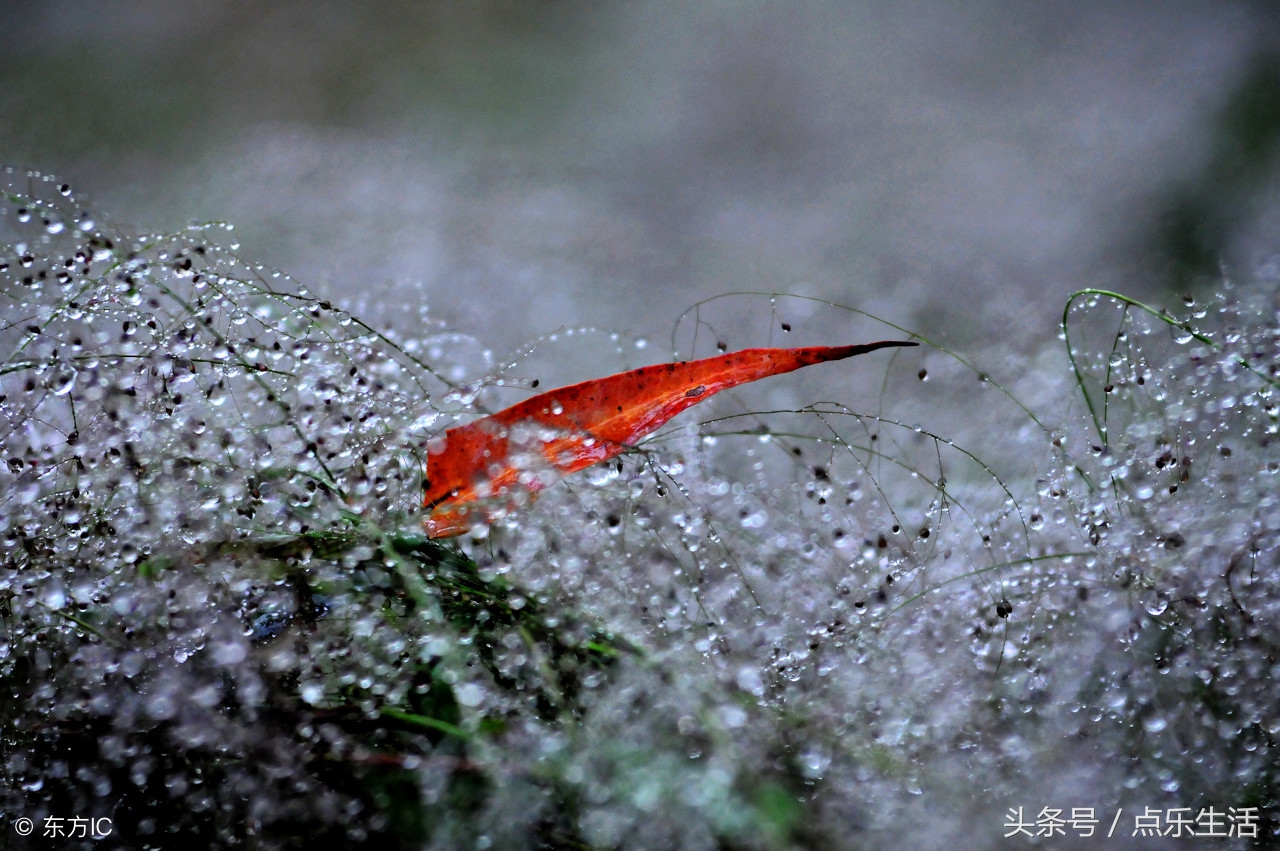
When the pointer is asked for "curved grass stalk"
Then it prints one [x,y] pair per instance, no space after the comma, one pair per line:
[1162,315]
[984,376]
[851,447]
[257,379]
[80,622]
[712,534]
[979,571]
[369,330]
[19,366]
[424,722]
[940,486]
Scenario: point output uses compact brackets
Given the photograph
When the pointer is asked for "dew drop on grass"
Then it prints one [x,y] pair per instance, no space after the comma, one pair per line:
[602,474]
[62,380]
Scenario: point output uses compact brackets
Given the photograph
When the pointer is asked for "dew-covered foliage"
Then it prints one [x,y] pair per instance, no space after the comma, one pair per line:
[845,623]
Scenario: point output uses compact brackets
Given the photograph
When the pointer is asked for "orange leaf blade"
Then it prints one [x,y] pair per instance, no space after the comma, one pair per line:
[568,429]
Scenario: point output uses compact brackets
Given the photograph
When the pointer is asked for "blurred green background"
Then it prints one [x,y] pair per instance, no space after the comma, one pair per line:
[522,166]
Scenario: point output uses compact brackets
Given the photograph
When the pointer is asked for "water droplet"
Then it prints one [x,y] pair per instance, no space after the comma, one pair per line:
[229,653]
[61,380]
[55,598]
[749,680]
[469,695]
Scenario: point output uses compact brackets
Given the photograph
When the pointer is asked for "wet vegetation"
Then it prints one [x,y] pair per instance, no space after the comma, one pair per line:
[831,624]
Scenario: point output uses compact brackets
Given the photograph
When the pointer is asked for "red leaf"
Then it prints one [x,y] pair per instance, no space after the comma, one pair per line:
[483,466]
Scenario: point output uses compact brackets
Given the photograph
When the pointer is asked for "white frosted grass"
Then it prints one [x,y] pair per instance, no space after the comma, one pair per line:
[844,623]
